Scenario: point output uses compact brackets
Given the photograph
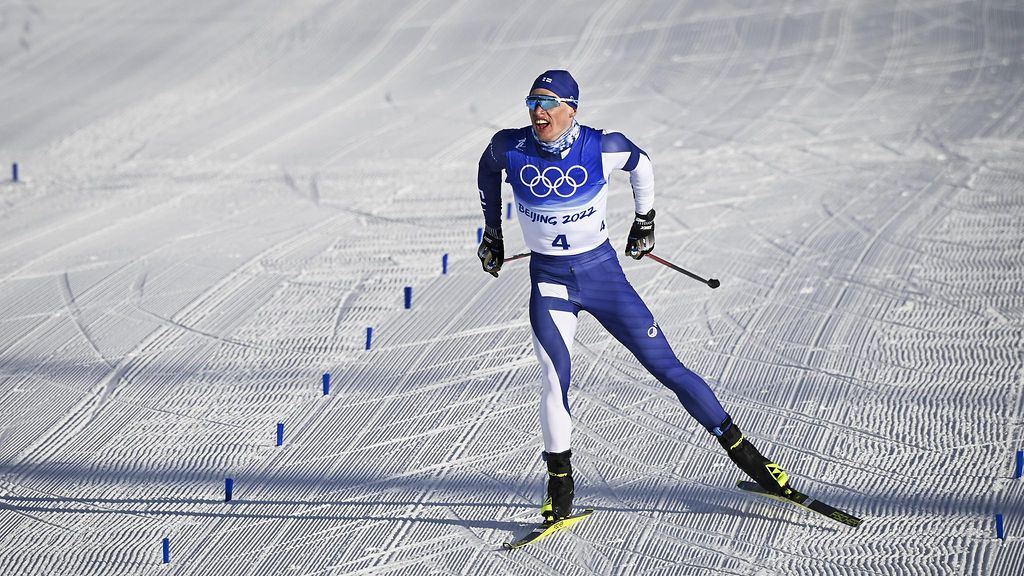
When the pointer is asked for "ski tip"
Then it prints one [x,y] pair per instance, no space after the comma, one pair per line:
[805,501]
[854,522]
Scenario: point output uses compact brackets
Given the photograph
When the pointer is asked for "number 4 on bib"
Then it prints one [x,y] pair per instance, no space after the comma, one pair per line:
[560,241]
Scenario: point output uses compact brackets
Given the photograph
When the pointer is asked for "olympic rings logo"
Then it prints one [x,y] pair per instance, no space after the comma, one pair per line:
[552,179]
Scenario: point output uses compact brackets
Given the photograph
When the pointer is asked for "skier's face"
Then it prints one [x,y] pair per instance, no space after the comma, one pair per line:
[550,124]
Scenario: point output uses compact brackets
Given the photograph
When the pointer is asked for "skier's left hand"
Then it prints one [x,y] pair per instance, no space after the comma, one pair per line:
[641,236]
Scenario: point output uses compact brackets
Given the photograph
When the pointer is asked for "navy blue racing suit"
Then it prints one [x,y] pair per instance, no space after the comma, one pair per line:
[560,200]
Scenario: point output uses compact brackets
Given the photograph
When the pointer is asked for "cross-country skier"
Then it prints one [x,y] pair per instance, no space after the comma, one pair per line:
[559,171]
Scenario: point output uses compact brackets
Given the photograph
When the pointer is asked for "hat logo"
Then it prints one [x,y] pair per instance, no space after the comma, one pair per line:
[546,79]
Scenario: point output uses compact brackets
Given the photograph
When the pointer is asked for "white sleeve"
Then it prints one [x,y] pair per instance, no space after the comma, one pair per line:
[619,153]
[641,178]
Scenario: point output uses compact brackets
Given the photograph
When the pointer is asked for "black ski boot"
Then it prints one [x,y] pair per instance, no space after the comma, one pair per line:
[560,486]
[768,474]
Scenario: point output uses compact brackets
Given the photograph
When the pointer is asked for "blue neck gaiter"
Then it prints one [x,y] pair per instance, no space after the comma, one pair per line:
[563,142]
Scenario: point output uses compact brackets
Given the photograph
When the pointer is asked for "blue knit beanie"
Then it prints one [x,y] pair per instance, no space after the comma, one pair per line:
[561,83]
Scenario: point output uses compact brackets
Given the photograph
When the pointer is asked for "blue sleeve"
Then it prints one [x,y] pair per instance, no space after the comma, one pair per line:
[488,180]
[612,142]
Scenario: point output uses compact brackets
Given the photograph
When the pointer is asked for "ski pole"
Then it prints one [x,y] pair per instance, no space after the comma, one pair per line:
[713,282]
[517,256]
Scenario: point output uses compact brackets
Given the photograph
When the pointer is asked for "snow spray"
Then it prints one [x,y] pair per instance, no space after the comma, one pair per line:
[369,337]
[229,489]
[327,383]
[408,297]
[280,433]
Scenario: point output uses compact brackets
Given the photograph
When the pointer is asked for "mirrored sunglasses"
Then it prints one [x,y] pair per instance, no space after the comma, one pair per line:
[545,102]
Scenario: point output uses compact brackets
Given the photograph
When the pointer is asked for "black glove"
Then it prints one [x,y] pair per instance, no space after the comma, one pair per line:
[641,236]
[491,251]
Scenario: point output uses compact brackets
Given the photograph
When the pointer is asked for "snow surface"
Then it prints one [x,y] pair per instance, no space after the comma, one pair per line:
[217,198]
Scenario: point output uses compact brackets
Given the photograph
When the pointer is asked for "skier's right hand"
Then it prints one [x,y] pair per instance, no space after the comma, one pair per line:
[491,251]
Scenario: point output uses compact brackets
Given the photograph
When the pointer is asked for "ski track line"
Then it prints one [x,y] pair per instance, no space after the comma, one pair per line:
[406,61]
[107,227]
[281,112]
[384,401]
[71,306]
[972,86]
[655,539]
[365,60]
[734,56]
[50,231]
[50,99]
[821,42]
[210,86]
[867,248]
[837,301]
[815,232]
[884,76]
[444,466]
[82,415]
[749,84]
[313,419]
[586,468]
[105,103]
[401,441]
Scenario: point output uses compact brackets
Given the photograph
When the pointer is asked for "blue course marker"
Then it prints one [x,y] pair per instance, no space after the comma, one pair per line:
[280,433]
[14,172]
[1000,528]
[408,297]
[1020,465]
[369,337]
[167,550]
[327,383]
[229,489]
[444,264]
[479,235]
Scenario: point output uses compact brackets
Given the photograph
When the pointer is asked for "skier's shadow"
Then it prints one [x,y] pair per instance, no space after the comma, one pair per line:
[405,510]
[260,509]
[451,513]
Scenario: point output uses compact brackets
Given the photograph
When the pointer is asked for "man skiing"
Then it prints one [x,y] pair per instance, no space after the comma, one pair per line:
[559,171]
